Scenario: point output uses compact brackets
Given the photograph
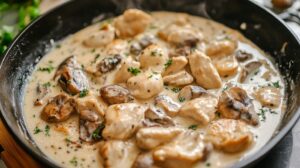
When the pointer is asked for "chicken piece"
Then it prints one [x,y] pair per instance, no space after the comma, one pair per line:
[180,51]
[184,151]
[144,160]
[41,91]
[191,92]
[157,117]
[122,74]
[109,63]
[137,47]
[100,38]
[229,135]
[268,96]
[122,120]
[115,94]
[243,56]
[152,137]
[72,79]
[201,109]
[221,48]
[153,57]
[118,154]
[234,103]
[248,69]
[203,70]
[131,23]
[58,109]
[178,79]
[116,47]
[282,4]
[145,85]
[226,65]
[167,104]
[175,65]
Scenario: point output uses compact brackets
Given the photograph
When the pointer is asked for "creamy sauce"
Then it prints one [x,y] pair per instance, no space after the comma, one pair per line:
[65,149]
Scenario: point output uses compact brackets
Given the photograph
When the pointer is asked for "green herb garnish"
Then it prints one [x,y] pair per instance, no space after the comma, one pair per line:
[47,84]
[74,161]
[83,93]
[169,63]
[181,99]
[262,114]
[134,71]
[47,130]
[97,134]
[48,69]
[176,90]
[193,127]
[276,84]
[37,130]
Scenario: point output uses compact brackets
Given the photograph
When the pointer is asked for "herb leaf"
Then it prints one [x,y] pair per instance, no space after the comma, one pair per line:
[74,161]
[276,84]
[37,130]
[181,99]
[97,134]
[134,71]
[47,130]
[193,127]
[176,90]
[83,93]
[48,69]
[168,63]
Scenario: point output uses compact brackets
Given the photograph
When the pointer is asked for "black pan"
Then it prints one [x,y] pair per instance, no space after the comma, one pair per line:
[263,28]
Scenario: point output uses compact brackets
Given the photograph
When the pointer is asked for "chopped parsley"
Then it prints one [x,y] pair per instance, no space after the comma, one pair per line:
[47,84]
[225,88]
[262,114]
[97,134]
[74,161]
[48,69]
[181,99]
[68,140]
[207,164]
[176,90]
[47,130]
[83,93]
[96,58]
[37,130]
[276,84]
[169,63]
[134,71]
[193,127]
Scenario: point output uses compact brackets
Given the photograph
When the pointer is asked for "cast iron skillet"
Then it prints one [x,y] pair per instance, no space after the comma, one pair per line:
[263,28]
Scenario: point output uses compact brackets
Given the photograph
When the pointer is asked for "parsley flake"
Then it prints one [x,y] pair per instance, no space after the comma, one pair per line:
[47,130]
[83,93]
[37,130]
[276,84]
[74,161]
[181,99]
[48,69]
[97,134]
[176,90]
[169,63]
[193,127]
[134,71]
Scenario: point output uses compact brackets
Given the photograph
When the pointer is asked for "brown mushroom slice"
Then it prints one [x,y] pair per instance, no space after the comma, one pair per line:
[178,79]
[229,135]
[243,56]
[42,91]
[137,47]
[191,92]
[234,103]
[131,23]
[108,64]
[144,160]
[72,79]
[100,38]
[187,149]
[268,96]
[123,120]
[226,65]
[157,117]
[123,74]
[248,69]
[167,104]
[201,109]
[203,70]
[282,4]
[221,48]
[58,109]
[115,94]
[117,154]
[175,65]
[151,137]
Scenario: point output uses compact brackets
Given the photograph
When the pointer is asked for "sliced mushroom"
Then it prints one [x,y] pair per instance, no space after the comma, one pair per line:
[176,64]
[221,48]
[122,74]
[268,96]
[243,56]
[201,109]
[167,104]
[180,78]
[145,85]
[157,117]
[248,69]
[203,70]
[151,137]
[137,47]
[108,64]
[42,91]
[115,94]
[180,51]
[144,160]
[234,103]
[117,154]
[58,109]
[282,4]
[191,92]
[100,38]
[131,23]
[226,65]
[229,135]
[72,79]
[123,120]
[153,57]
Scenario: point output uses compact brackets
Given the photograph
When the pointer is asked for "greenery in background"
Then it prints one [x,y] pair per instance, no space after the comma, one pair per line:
[27,11]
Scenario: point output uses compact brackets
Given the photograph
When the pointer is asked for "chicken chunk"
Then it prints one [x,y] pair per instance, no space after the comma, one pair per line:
[144,160]
[71,77]
[221,48]
[58,109]
[122,74]
[145,85]
[191,92]
[178,79]
[123,120]
[167,104]
[153,57]
[142,43]
[151,137]
[100,38]
[268,96]
[115,94]
[203,70]
[176,65]
[226,65]
[108,64]
[131,23]
[157,117]
[116,47]
[234,103]
[201,109]
[117,154]
[229,135]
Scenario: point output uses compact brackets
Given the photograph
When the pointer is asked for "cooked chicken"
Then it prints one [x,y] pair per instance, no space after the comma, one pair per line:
[118,154]
[42,91]
[100,38]
[175,65]
[234,103]
[137,47]
[131,23]
[243,56]
[71,78]
[109,63]
[122,74]
[116,47]
[153,57]
[221,48]
[268,96]
[183,151]
[58,109]
[248,69]
[201,109]
[145,85]
[229,135]
[157,117]
[152,137]
[144,160]
[191,92]
[167,104]
[115,94]
[122,120]
[226,65]
[203,70]
[178,79]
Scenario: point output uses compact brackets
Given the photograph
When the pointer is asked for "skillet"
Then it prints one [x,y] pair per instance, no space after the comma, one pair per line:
[263,28]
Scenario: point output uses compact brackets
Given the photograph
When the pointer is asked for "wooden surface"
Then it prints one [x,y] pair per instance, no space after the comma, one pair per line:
[13,155]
